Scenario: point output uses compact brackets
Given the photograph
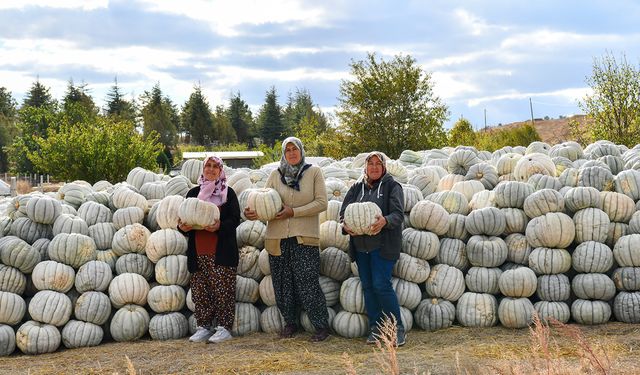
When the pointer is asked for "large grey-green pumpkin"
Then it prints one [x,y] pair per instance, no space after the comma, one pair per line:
[30,231]
[37,338]
[429,216]
[408,293]
[515,312]
[579,198]
[130,239]
[102,235]
[166,298]
[331,289]
[590,312]
[543,202]
[93,307]
[73,249]
[486,173]
[555,288]
[247,289]
[411,268]
[271,321]
[593,286]
[43,210]
[50,307]
[169,326]
[460,161]
[128,288]
[305,322]
[486,251]
[351,295]
[165,242]
[420,244]
[17,253]
[127,216]
[483,280]
[12,280]
[435,313]
[591,224]
[93,275]
[489,221]
[350,325]
[544,260]
[456,229]
[627,278]
[445,282]
[617,206]
[267,294]
[129,323]
[252,233]
[548,310]
[518,283]
[626,251]
[247,319]
[518,249]
[554,229]
[335,264]
[178,185]
[93,213]
[453,252]
[12,308]
[452,201]
[7,340]
[67,223]
[477,310]
[135,263]
[52,275]
[512,194]
[626,307]
[592,256]
[79,334]
[248,263]
[627,182]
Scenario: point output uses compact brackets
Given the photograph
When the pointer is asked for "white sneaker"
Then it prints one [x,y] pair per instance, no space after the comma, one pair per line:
[202,335]
[221,335]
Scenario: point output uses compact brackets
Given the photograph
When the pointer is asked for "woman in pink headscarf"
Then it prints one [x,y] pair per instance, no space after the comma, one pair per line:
[212,256]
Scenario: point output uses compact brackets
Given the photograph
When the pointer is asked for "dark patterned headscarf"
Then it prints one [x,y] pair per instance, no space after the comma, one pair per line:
[290,175]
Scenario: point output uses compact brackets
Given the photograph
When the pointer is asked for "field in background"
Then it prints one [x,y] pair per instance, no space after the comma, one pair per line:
[455,350]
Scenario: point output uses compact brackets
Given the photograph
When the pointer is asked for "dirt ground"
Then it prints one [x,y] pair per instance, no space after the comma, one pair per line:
[456,350]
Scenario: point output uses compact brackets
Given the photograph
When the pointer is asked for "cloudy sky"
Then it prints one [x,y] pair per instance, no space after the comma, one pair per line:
[483,55]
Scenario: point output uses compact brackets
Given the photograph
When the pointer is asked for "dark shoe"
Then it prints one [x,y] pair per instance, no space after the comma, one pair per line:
[288,331]
[321,335]
[401,336]
[373,336]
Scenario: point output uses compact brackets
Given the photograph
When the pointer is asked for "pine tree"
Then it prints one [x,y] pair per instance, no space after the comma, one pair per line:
[117,106]
[196,119]
[77,104]
[225,133]
[270,119]
[38,96]
[159,115]
[8,128]
[241,119]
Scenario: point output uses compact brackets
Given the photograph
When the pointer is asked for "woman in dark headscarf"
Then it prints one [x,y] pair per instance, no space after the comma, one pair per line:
[293,240]
[376,254]
[212,256]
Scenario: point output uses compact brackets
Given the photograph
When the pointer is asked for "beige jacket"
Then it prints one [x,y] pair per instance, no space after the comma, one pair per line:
[306,204]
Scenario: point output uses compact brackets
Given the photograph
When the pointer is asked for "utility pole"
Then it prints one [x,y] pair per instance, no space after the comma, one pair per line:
[531,107]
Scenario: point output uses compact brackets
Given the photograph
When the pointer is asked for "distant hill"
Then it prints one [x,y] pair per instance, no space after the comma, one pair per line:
[551,131]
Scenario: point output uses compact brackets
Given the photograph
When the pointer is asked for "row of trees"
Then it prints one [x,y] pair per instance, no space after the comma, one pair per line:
[385,105]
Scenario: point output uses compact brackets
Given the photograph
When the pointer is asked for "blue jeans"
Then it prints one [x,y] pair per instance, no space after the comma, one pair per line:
[379,297]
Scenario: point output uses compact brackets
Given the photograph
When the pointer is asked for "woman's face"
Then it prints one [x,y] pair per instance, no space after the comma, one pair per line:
[292,154]
[375,168]
[211,170]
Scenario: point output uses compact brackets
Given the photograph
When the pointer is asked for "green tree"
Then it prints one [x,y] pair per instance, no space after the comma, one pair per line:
[497,138]
[300,107]
[270,119]
[103,149]
[8,127]
[196,119]
[391,106]
[241,119]
[117,106]
[462,133]
[77,104]
[614,105]
[224,132]
[159,115]
[38,113]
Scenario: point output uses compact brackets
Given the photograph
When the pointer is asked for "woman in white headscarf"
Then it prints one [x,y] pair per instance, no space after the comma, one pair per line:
[293,240]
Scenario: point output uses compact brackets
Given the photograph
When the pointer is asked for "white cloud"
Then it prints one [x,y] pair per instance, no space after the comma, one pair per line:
[63,4]
[552,40]
[225,16]
[568,95]
[476,25]
[452,85]
[231,76]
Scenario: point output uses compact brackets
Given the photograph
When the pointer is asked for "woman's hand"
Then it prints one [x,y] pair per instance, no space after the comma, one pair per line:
[213,228]
[184,227]
[377,226]
[346,228]
[285,213]
[250,214]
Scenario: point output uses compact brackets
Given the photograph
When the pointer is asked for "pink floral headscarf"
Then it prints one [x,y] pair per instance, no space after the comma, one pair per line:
[213,191]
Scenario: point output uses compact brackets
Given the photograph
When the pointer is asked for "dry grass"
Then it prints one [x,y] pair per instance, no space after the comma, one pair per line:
[23,187]
[456,350]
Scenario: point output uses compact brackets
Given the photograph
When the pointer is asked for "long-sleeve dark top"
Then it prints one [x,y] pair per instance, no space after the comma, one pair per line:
[227,248]
[388,195]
